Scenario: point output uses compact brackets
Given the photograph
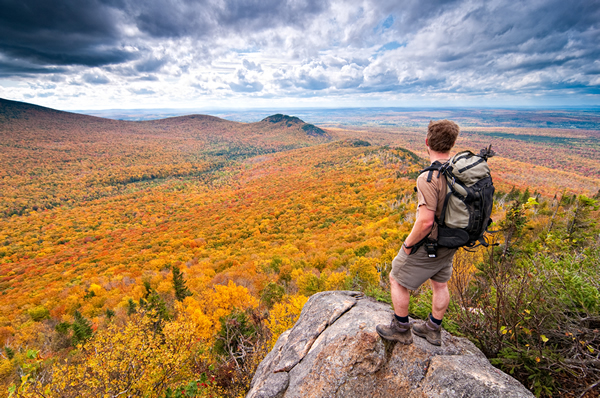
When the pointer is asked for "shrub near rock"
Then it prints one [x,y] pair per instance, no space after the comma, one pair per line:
[531,304]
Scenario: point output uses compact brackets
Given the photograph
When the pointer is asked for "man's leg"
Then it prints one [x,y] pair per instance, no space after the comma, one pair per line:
[440,300]
[439,304]
[400,298]
[397,330]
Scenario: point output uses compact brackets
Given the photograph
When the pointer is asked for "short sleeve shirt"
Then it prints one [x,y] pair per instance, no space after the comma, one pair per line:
[432,194]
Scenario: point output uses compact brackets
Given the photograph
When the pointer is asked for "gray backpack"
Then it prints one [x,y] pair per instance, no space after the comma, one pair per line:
[469,199]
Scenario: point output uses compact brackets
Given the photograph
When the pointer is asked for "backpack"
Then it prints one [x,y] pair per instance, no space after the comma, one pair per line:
[469,199]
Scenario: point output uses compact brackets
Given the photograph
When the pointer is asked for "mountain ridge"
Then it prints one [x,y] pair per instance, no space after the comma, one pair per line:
[103,153]
[14,110]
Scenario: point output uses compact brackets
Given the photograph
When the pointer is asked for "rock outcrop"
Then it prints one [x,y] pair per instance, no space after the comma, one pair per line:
[334,351]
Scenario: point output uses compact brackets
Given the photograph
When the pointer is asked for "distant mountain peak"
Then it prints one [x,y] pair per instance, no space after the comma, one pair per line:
[278,118]
[290,121]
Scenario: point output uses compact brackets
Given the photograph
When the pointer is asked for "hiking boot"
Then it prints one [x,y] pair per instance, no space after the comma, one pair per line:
[429,331]
[397,331]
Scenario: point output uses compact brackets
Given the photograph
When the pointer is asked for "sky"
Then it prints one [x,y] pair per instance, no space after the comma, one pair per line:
[244,54]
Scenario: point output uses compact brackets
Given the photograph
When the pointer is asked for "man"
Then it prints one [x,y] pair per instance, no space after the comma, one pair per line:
[413,265]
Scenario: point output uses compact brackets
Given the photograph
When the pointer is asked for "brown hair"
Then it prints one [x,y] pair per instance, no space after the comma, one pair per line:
[441,135]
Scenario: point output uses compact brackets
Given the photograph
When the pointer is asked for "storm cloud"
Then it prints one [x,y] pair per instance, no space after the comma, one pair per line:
[187,52]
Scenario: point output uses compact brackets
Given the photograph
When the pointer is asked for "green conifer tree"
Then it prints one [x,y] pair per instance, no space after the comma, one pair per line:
[63,327]
[82,329]
[181,290]
[526,195]
[513,194]
[580,226]
[148,289]
[156,308]
[131,307]
[10,353]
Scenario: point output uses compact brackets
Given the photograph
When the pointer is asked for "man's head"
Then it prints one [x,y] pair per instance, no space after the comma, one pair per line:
[441,135]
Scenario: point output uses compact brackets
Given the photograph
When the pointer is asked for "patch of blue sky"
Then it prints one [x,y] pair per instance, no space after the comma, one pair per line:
[391,46]
[388,47]
[384,25]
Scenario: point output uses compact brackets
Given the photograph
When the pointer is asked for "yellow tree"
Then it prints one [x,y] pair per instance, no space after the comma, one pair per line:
[134,360]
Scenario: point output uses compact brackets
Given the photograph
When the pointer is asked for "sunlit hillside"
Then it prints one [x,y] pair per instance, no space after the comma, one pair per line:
[548,160]
[52,158]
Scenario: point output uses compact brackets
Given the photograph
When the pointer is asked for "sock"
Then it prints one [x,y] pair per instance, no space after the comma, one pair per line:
[436,321]
[401,319]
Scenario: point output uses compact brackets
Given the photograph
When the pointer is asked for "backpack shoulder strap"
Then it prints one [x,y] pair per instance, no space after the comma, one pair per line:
[435,166]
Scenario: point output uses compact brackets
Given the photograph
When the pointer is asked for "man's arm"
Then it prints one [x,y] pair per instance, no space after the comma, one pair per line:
[422,227]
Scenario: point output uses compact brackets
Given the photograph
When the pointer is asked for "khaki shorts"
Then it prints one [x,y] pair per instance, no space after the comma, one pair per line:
[411,271]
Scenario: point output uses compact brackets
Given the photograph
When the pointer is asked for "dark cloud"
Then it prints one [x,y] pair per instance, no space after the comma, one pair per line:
[64,32]
[30,19]
[150,64]
[77,54]
[91,32]
[57,78]
[125,71]
[595,70]
[95,78]
[19,68]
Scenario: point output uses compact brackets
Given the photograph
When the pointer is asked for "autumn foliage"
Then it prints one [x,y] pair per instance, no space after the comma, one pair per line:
[166,257]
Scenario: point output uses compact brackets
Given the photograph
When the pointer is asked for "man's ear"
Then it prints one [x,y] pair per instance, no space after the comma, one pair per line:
[427,142]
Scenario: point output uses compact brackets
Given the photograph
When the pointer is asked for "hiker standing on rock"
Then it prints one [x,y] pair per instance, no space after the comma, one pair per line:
[419,259]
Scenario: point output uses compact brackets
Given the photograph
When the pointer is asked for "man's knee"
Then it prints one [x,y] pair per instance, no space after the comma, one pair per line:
[394,282]
[438,286]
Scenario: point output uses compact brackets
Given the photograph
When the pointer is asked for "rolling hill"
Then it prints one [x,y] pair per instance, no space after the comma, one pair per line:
[50,157]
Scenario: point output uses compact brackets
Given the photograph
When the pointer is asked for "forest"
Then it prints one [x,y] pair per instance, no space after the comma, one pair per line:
[164,258]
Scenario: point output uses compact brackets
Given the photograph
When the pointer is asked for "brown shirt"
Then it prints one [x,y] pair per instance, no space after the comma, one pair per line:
[432,194]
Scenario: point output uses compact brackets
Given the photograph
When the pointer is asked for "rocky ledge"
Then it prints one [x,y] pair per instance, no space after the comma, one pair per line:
[334,351]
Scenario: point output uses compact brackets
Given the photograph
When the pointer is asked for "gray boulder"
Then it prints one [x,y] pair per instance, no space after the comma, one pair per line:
[334,351]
